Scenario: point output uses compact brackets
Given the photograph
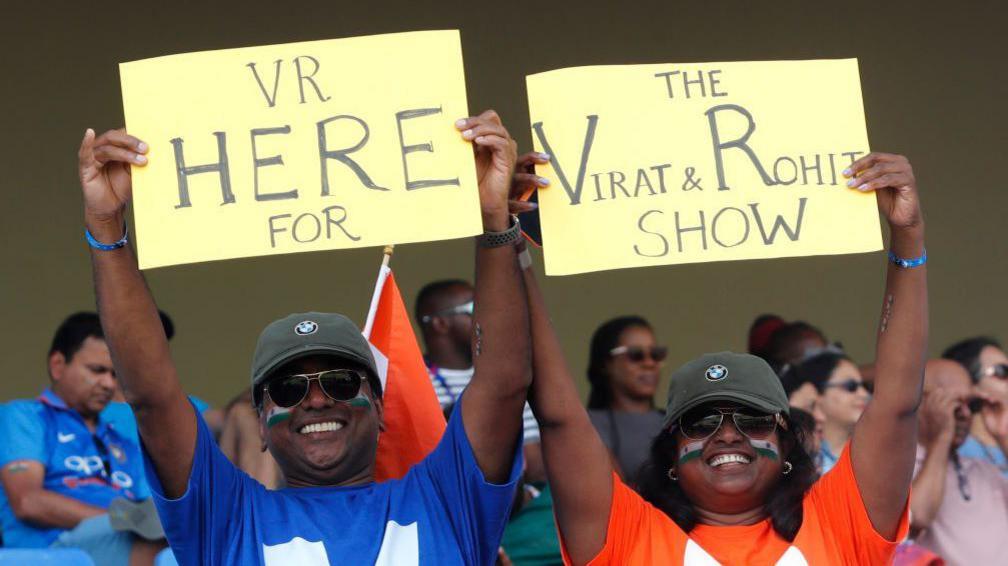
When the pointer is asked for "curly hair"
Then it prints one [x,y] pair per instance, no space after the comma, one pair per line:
[784,504]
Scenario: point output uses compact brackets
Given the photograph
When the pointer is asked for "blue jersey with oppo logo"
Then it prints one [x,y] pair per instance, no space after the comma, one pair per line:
[90,467]
[443,512]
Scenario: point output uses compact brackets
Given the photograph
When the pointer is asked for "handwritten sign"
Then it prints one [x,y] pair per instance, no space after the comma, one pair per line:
[668,164]
[299,147]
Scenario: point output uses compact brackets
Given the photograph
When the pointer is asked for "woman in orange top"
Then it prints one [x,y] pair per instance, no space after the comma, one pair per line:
[728,482]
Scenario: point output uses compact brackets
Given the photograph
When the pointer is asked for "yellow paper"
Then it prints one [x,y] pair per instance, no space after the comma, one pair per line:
[650,189]
[396,96]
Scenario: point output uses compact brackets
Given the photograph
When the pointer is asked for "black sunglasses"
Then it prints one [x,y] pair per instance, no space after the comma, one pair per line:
[337,384]
[637,353]
[849,385]
[997,370]
[702,423]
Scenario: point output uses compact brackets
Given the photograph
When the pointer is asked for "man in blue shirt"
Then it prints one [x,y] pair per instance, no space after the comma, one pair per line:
[317,390]
[61,464]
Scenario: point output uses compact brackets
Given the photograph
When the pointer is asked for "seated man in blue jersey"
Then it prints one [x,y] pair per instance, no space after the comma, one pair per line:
[320,404]
[61,464]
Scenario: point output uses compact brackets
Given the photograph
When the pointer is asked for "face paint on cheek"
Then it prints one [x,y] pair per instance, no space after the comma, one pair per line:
[276,416]
[360,401]
[690,451]
[766,449]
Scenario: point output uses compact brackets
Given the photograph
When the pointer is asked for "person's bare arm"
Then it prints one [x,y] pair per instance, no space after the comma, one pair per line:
[493,401]
[884,442]
[937,431]
[130,321]
[33,504]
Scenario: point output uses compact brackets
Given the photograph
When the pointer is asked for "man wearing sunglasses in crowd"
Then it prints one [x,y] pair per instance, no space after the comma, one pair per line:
[987,364]
[319,397]
[959,508]
[728,481]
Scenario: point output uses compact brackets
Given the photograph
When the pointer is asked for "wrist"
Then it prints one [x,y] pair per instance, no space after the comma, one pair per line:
[105,228]
[907,242]
[496,220]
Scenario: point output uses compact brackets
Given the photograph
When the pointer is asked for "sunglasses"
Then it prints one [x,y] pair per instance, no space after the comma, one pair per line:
[464,308]
[849,385]
[637,354]
[337,384]
[997,370]
[702,423]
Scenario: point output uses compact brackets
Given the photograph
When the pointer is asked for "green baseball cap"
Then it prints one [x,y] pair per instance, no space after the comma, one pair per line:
[725,376]
[302,334]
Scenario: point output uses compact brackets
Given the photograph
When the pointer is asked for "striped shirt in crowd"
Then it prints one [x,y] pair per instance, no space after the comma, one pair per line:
[449,384]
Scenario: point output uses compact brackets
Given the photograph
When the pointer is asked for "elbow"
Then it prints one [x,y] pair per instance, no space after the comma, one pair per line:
[24,508]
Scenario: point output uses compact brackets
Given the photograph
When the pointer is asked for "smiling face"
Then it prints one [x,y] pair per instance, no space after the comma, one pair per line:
[637,380]
[320,441]
[728,472]
[839,405]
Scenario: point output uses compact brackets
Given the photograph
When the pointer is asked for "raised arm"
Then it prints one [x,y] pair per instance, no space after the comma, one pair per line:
[577,462]
[130,321]
[885,439]
[494,399]
[937,432]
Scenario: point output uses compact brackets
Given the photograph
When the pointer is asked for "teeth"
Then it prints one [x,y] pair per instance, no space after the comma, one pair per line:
[728,459]
[321,427]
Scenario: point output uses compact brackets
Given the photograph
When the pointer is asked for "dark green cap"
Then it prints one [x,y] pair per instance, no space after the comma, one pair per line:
[303,334]
[725,376]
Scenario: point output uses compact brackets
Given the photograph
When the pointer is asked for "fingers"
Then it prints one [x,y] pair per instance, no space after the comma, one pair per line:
[488,122]
[525,181]
[113,145]
[520,206]
[120,138]
[879,170]
[527,161]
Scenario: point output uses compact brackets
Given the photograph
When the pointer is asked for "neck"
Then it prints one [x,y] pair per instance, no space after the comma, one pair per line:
[836,436]
[716,519]
[364,477]
[980,432]
[450,358]
[625,404]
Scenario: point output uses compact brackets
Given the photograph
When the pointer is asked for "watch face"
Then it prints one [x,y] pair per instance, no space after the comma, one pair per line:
[530,222]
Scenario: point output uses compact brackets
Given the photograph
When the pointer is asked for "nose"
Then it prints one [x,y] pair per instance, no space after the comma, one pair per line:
[727,433]
[316,398]
[107,381]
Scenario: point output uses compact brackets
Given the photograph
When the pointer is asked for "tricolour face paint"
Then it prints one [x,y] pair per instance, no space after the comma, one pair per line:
[690,451]
[360,401]
[765,448]
[277,415]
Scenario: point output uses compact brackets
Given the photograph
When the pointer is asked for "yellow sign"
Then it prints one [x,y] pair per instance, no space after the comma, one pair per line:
[305,146]
[667,164]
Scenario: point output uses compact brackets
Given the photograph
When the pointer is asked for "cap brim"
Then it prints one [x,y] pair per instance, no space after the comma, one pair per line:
[751,401]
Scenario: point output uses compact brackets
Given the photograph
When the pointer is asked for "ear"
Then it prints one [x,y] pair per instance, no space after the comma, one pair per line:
[262,432]
[57,365]
[380,412]
[438,324]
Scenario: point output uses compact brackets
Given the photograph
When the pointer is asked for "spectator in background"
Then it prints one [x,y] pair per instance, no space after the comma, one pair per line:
[987,364]
[842,397]
[624,367]
[959,507]
[241,442]
[792,343]
[760,332]
[444,312]
[63,463]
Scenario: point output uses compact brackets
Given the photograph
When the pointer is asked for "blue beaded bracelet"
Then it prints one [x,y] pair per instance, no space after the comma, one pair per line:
[909,263]
[107,247]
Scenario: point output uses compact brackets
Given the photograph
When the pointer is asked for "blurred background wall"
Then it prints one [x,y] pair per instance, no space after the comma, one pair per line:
[934,82]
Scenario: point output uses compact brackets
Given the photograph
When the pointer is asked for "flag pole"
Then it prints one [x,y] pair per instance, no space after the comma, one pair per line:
[379,285]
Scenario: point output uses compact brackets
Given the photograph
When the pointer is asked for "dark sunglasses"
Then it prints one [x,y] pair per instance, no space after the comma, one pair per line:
[464,308]
[637,354]
[997,370]
[337,384]
[702,423]
[849,385]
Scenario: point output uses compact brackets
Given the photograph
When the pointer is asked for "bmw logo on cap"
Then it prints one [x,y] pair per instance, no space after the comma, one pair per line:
[716,372]
[305,328]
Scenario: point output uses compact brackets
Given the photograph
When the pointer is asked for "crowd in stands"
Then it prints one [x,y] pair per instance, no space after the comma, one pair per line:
[793,451]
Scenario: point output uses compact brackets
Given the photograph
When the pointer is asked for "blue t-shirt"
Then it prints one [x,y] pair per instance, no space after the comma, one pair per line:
[442,512]
[90,467]
[974,449]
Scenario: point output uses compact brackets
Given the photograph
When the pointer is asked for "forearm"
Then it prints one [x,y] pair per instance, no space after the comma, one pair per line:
[494,399]
[582,494]
[45,508]
[929,487]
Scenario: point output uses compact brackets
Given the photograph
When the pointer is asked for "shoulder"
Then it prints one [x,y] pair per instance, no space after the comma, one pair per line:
[22,409]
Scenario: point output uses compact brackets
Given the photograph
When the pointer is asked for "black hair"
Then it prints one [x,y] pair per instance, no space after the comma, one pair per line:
[73,331]
[782,341]
[605,338]
[429,292]
[815,370]
[967,353]
[784,504]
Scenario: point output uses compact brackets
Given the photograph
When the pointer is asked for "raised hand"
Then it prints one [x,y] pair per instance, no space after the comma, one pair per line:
[104,169]
[525,181]
[892,179]
[496,154]
[937,419]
